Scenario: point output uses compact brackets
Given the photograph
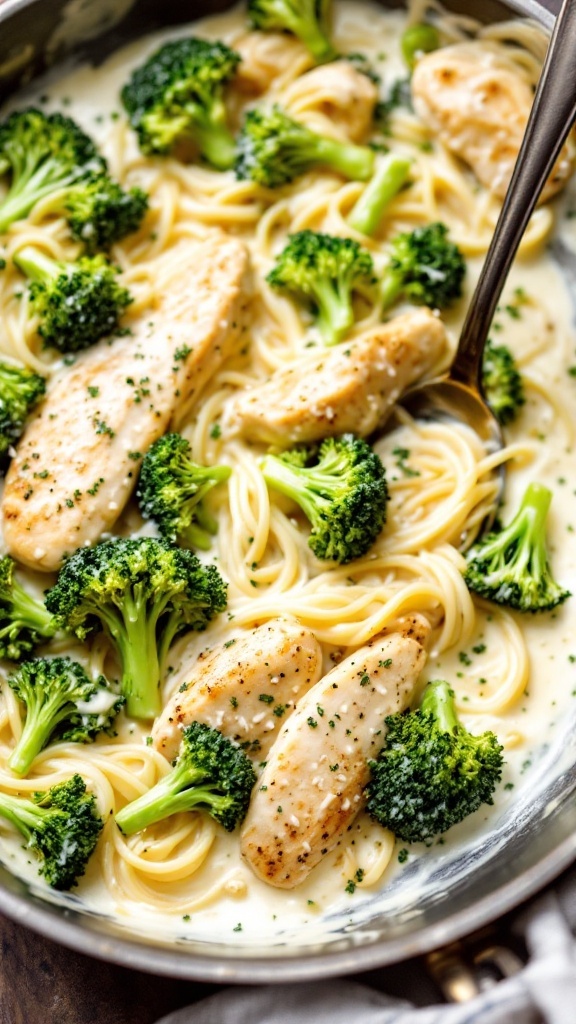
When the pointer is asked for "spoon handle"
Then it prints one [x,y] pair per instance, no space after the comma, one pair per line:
[552,116]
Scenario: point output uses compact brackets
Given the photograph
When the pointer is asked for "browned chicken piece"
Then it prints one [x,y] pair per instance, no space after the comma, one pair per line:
[246,688]
[266,56]
[338,91]
[77,462]
[479,106]
[351,387]
[312,786]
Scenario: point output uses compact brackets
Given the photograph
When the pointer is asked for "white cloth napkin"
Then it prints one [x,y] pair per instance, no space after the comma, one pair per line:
[543,993]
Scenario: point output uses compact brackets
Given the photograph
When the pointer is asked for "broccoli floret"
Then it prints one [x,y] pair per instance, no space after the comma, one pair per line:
[380,191]
[399,96]
[273,149]
[424,268]
[502,383]
[431,773]
[176,98]
[143,593]
[62,703]
[100,212]
[172,489]
[307,19]
[210,774]
[340,487]
[24,621]
[76,303]
[417,40]
[61,825]
[42,154]
[510,565]
[20,391]
[324,270]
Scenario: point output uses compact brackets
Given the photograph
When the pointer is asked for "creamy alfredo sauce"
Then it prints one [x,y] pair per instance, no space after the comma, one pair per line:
[542,335]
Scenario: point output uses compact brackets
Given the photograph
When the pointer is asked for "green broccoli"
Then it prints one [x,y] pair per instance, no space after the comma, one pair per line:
[340,487]
[62,703]
[172,489]
[24,621]
[20,391]
[76,303]
[273,149]
[143,593]
[100,212]
[176,99]
[502,383]
[307,19]
[210,774]
[425,268]
[324,270]
[510,565]
[389,178]
[43,154]
[417,40]
[399,96]
[61,825]
[431,773]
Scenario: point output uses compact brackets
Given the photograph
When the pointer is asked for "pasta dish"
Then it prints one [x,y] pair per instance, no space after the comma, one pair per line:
[304,637]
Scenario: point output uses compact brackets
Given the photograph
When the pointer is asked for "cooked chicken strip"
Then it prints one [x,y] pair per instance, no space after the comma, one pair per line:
[312,786]
[479,107]
[266,57]
[77,462]
[245,689]
[345,96]
[351,387]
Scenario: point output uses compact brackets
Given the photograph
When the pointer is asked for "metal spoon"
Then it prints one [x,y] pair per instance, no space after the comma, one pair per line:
[458,394]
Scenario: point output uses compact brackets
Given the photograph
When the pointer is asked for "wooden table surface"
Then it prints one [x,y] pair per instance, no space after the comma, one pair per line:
[44,983]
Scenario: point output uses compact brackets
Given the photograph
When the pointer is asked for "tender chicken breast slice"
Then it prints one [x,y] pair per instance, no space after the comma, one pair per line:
[479,107]
[77,462]
[351,387]
[312,786]
[246,689]
[340,93]
[266,59]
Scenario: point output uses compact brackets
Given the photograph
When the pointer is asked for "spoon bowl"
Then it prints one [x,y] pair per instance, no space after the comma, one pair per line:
[445,399]
[458,395]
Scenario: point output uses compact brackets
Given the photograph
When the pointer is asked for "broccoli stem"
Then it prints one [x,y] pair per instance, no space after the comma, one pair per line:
[177,792]
[199,534]
[195,537]
[527,532]
[319,45]
[417,40]
[438,700]
[310,32]
[23,814]
[336,313]
[387,181]
[29,612]
[217,144]
[134,632]
[36,264]
[28,189]
[41,720]
[355,162]
[391,287]
[308,493]
[141,668]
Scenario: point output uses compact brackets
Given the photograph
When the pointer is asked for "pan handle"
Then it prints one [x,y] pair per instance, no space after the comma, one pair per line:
[464,970]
